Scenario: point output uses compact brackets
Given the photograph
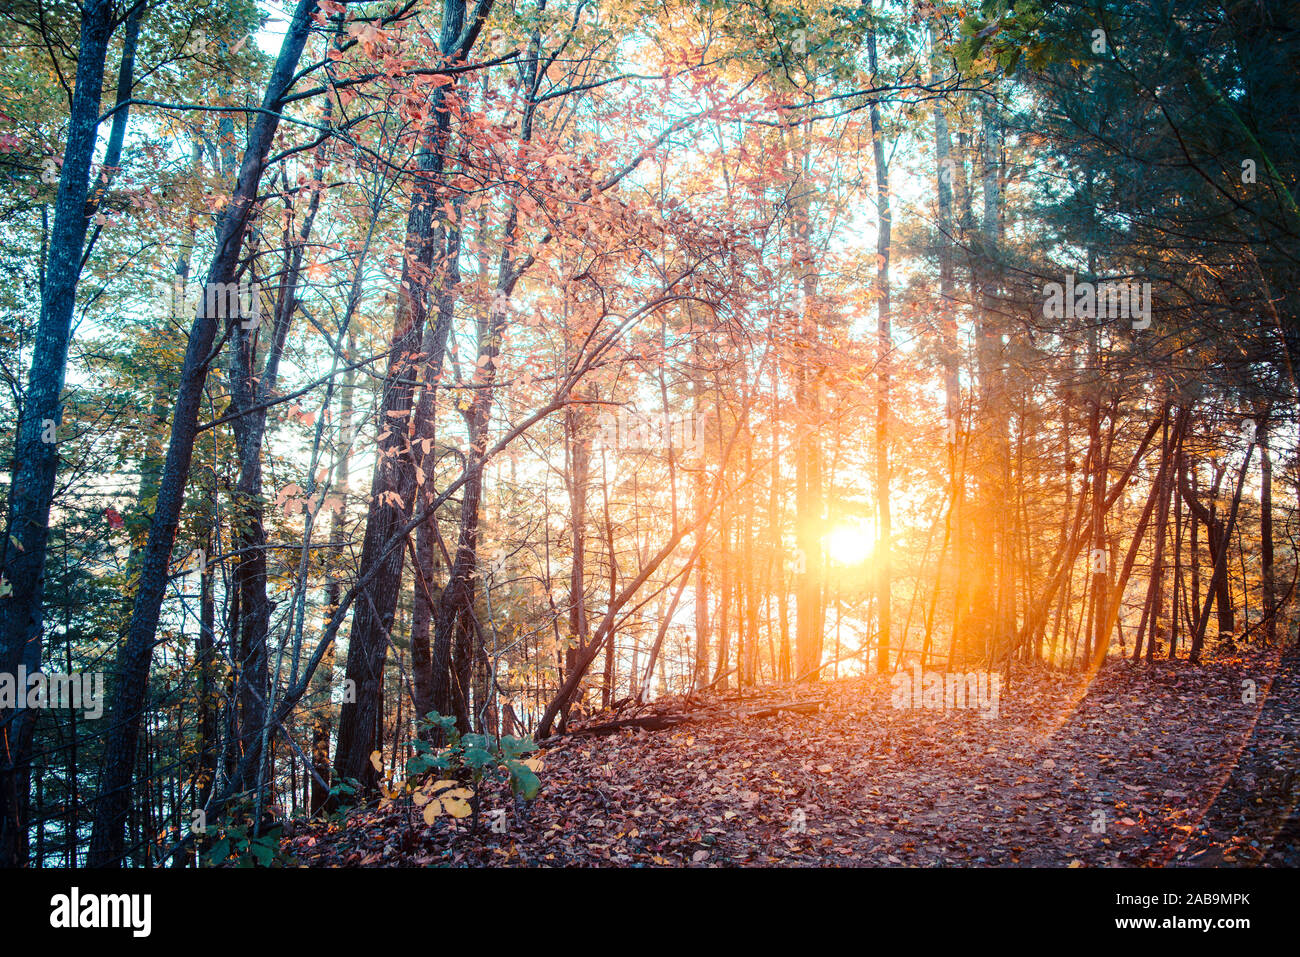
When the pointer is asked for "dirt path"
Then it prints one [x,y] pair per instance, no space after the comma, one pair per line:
[1159,765]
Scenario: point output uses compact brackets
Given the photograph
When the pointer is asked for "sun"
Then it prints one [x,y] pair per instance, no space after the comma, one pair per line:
[849,543]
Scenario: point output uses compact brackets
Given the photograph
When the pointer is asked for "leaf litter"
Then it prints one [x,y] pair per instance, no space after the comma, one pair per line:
[1145,765]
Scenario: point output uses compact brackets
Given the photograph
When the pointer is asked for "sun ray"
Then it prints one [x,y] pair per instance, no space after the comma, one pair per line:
[850,543]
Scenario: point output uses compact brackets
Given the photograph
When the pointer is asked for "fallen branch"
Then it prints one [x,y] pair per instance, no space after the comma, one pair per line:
[652,722]
[798,707]
[658,722]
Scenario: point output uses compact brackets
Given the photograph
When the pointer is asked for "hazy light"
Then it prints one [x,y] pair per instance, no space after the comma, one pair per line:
[849,544]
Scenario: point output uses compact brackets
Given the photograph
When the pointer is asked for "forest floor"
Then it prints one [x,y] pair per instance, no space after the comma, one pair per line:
[1146,765]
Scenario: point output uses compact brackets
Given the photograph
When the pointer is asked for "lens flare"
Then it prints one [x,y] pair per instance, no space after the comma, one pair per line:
[849,544]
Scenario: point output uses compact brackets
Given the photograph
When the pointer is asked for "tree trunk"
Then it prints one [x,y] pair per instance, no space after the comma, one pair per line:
[808,479]
[393,488]
[1268,583]
[31,490]
[1219,574]
[136,655]
[884,347]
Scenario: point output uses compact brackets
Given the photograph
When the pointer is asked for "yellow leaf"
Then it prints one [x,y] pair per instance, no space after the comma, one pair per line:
[455,802]
[533,764]
[377,760]
[443,785]
[420,798]
[432,810]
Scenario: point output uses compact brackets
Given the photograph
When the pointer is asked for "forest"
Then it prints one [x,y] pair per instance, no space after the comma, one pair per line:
[662,433]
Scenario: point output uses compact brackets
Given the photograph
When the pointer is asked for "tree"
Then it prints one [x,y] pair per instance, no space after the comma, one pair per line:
[36,455]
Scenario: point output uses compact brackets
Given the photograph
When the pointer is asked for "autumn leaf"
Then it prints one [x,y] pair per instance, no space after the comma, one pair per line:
[456,802]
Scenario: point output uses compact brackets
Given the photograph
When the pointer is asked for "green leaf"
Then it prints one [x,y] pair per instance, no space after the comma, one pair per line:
[424,762]
[523,781]
[478,759]
[218,852]
[513,747]
[263,852]
[445,722]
